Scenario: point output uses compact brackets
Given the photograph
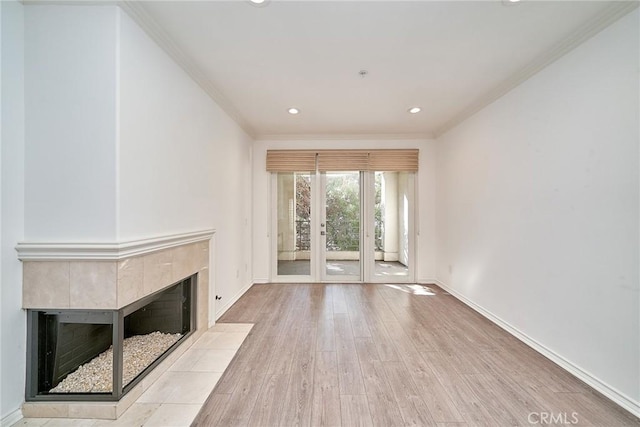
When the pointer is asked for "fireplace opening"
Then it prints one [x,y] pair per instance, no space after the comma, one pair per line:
[102,354]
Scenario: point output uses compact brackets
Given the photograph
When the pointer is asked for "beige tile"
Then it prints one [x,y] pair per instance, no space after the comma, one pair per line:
[185,260]
[69,422]
[45,284]
[136,415]
[187,360]
[213,360]
[195,336]
[93,284]
[158,391]
[100,411]
[152,377]
[192,387]
[232,327]
[45,410]
[130,280]
[169,415]
[203,299]
[202,254]
[129,399]
[218,327]
[227,340]
[31,422]
[207,339]
[170,360]
[181,387]
[158,268]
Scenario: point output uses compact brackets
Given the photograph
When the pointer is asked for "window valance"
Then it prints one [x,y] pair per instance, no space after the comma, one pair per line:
[400,160]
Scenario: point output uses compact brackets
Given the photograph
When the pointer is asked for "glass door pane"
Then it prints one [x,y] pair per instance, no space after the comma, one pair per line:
[340,226]
[294,224]
[393,226]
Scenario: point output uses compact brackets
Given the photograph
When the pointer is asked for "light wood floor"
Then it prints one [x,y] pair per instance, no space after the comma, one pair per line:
[381,355]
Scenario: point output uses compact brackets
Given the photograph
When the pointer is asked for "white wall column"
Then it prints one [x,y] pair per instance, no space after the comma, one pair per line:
[390,197]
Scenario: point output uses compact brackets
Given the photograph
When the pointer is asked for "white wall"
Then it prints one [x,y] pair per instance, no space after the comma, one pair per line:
[425,189]
[70,158]
[183,164]
[120,144]
[12,319]
[537,208]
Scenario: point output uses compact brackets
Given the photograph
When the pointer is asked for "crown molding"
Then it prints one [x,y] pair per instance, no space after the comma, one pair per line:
[69,2]
[70,251]
[136,10]
[139,14]
[608,16]
[344,137]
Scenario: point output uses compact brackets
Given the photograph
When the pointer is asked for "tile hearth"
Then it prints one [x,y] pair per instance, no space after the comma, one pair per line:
[176,396]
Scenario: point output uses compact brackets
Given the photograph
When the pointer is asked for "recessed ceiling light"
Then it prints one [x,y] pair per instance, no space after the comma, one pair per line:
[259,3]
[293,111]
[414,110]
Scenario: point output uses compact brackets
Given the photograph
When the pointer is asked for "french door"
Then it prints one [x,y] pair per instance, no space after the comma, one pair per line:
[345,226]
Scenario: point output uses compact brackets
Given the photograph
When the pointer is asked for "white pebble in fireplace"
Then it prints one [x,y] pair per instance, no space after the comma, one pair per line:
[111,277]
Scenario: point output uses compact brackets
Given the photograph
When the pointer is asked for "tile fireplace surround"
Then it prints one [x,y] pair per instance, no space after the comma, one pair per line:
[111,276]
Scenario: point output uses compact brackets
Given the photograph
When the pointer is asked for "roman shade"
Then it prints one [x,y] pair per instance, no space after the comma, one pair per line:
[343,160]
[401,160]
[291,160]
[393,160]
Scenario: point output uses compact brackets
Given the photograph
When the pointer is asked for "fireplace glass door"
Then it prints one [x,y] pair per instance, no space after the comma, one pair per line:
[102,354]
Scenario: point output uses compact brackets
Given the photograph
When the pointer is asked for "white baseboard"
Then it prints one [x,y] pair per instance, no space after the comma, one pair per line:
[426,281]
[232,301]
[260,281]
[12,418]
[614,395]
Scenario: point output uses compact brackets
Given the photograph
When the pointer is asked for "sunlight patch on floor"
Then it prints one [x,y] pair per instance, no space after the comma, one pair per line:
[413,289]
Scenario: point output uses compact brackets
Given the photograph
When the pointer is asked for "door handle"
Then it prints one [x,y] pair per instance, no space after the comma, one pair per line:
[322,233]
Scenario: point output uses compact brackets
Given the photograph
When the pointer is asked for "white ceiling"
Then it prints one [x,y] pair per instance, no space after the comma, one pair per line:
[448,57]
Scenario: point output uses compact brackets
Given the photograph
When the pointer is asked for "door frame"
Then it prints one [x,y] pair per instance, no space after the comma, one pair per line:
[322,254]
[367,234]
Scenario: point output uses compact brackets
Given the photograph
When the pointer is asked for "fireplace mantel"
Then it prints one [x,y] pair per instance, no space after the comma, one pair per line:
[106,251]
[110,276]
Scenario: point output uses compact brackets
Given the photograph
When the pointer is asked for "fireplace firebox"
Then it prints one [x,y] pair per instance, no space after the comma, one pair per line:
[100,355]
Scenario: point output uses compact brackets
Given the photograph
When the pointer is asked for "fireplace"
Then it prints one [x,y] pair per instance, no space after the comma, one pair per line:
[100,355]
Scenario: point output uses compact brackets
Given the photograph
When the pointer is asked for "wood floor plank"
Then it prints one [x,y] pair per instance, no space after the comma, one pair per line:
[350,378]
[413,409]
[325,410]
[239,408]
[491,398]
[335,354]
[326,335]
[298,397]
[212,410]
[366,350]
[354,410]
[441,407]
[268,407]
[338,297]
[382,403]
[345,346]
[470,406]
